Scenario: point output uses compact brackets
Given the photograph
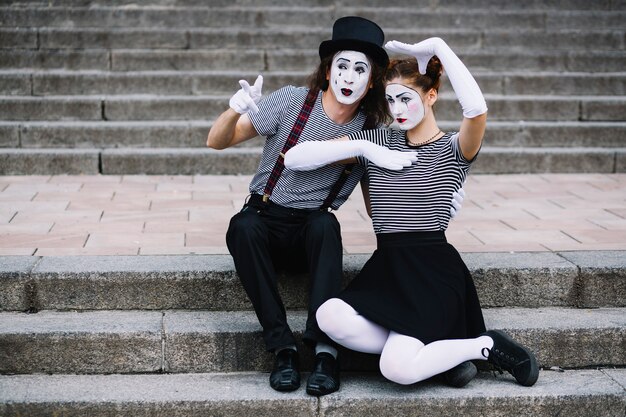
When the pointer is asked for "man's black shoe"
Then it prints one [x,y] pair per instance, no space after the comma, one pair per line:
[286,373]
[506,354]
[325,376]
[460,375]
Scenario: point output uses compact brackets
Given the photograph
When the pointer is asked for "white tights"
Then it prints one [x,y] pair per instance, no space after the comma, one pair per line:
[403,359]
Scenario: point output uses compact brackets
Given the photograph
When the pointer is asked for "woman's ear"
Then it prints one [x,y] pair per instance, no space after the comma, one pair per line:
[431,96]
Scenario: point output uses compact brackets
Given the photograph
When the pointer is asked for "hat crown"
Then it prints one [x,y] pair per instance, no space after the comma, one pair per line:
[358,28]
[354,33]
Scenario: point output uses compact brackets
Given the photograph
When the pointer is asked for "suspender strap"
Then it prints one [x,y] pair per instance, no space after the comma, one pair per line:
[292,139]
[343,177]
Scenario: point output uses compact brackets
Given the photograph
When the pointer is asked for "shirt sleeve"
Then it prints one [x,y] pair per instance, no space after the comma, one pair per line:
[272,110]
[458,154]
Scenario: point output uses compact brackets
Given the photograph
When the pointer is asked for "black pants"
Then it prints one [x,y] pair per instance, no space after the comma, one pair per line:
[264,238]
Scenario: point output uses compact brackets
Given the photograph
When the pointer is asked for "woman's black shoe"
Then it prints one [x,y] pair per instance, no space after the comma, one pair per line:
[325,376]
[460,375]
[506,354]
[286,373]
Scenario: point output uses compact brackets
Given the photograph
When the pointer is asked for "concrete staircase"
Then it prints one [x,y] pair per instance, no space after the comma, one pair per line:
[175,335]
[126,87]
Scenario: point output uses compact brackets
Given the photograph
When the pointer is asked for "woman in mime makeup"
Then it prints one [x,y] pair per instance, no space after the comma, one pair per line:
[414,302]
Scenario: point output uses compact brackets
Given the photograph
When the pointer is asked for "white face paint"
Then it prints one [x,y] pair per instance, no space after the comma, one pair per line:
[350,76]
[405,105]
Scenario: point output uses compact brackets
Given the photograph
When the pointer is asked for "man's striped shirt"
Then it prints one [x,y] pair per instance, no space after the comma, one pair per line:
[300,189]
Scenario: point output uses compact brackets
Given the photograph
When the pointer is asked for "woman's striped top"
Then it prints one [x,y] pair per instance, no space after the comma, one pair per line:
[300,189]
[416,198]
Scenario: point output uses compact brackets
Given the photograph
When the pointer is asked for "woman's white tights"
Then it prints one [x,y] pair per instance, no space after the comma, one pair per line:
[403,359]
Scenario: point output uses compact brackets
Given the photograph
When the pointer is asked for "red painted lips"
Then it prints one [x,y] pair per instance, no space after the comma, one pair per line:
[346,92]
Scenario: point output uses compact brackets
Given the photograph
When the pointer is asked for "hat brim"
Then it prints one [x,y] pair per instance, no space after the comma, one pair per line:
[376,53]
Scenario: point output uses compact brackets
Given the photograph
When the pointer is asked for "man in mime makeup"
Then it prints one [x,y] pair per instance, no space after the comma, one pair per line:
[286,223]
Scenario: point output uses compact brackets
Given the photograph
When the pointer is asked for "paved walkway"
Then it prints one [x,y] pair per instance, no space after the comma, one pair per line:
[148,215]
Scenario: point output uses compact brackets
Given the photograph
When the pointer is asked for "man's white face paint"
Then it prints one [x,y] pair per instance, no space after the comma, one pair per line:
[350,76]
[405,105]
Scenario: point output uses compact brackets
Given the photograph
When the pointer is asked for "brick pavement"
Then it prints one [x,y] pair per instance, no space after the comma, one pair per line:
[148,215]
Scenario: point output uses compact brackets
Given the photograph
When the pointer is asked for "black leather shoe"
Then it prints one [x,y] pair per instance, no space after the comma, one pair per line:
[325,376]
[286,373]
[460,375]
[506,354]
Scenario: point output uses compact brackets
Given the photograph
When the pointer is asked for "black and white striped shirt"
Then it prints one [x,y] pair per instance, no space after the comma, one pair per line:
[416,198]
[300,189]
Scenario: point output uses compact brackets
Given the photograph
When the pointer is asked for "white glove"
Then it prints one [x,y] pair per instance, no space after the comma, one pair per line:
[457,201]
[314,154]
[245,100]
[464,85]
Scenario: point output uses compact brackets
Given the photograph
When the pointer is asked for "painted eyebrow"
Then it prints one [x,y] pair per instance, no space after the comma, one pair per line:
[412,89]
[401,94]
[356,63]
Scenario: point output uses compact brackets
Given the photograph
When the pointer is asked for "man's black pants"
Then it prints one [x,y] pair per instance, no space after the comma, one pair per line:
[264,238]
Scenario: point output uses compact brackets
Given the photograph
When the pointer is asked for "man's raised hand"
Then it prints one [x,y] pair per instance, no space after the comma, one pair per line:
[245,100]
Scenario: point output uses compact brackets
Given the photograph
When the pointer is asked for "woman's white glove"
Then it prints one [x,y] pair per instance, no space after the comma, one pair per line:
[457,202]
[464,85]
[245,100]
[314,154]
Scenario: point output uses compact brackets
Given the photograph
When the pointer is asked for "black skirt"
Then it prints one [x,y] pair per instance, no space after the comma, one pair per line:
[416,284]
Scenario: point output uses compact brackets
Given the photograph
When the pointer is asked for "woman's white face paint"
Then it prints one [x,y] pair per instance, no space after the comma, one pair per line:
[350,76]
[405,105]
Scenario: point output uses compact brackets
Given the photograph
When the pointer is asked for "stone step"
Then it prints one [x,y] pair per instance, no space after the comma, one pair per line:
[264,60]
[42,83]
[193,134]
[508,18]
[153,17]
[228,341]
[576,393]
[209,282]
[299,37]
[197,107]
[459,5]
[59,161]
[112,17]
[189,161]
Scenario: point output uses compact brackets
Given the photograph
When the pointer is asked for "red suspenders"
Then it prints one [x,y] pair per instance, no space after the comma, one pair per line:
[292,139]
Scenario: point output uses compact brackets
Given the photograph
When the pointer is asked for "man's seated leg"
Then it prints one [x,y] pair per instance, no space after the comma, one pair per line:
[321,235]
[249,244]
[322,240]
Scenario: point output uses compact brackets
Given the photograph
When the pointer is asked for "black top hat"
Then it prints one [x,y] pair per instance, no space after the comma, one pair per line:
[353,33]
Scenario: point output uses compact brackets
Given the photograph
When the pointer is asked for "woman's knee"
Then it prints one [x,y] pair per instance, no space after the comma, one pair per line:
[400,359]
[395,369]
[330,316]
